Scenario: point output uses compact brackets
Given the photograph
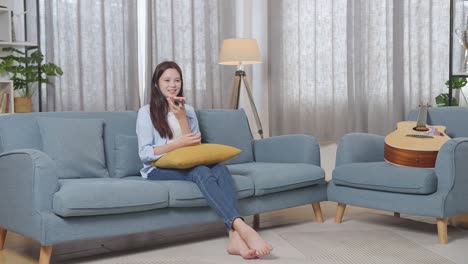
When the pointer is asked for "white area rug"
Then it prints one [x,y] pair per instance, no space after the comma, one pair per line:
[372,246]
[168,261]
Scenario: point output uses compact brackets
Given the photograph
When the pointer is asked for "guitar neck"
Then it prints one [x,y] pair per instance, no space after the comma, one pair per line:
[422,117]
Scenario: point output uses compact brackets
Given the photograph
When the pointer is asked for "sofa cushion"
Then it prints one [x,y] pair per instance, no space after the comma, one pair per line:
[81,197]
[228,127]
[383,176]
[191,156]
[19,132]
[76,145]
[278,177]
[187,194]
[127,161]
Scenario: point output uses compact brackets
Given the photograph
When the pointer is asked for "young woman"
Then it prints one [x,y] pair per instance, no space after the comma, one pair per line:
[166,124]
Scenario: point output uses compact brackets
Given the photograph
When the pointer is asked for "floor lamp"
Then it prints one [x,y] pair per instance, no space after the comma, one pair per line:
[240,52]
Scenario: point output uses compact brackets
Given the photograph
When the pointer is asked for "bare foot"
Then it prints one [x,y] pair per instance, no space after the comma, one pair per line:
[252,238]
[237,246]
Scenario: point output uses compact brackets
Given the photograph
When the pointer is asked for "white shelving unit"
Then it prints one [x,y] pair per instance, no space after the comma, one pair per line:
[5,25]
[6,36]
[17,44]
[6,40]
[7,102]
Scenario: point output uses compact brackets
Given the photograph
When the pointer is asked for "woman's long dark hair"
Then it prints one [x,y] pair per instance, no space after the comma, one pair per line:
[158,103]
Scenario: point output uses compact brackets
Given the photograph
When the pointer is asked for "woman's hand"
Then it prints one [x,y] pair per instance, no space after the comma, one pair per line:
[190,139]
[184,141]
[177,106]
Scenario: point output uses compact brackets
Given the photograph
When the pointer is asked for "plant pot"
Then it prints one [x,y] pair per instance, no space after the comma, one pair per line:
[23,104]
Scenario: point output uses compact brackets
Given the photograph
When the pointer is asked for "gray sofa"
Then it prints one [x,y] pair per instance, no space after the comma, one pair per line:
[362,177]
[75,175]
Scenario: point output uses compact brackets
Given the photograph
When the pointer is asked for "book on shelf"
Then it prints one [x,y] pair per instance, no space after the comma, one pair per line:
[2,93]
[5,102]
[8,103]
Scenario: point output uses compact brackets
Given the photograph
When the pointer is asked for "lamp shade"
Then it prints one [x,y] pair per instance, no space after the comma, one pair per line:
[237,51]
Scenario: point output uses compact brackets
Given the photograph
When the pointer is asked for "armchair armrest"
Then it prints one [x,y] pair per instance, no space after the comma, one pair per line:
[288,149]
[360,147]
[28,180]
[452,179]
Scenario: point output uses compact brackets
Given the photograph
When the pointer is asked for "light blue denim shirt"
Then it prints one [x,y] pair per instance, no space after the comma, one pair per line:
[148,136]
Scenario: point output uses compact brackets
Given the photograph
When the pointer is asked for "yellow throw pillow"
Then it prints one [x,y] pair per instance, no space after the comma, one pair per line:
[203,154]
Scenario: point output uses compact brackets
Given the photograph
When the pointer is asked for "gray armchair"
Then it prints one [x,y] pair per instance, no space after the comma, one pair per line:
[363,178]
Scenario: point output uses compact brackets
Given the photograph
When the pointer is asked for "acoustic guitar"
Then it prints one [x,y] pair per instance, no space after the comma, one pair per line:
[415,144]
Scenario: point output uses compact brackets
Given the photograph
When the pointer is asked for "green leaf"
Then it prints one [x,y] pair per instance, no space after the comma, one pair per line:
[443,100]
[457,82]
[23,68]
[14,50]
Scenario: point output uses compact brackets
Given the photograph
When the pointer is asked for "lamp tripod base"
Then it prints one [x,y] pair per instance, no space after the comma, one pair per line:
[239,78]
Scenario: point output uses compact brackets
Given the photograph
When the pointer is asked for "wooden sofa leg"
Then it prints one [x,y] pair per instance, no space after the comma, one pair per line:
[442,230]
[340,212]
[318,212]
[256,221]
[46,253]
[395,214]
[3,233]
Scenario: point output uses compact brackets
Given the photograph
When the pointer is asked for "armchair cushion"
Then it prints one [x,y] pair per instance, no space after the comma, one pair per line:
[383,176]
[76,145]
[360,147]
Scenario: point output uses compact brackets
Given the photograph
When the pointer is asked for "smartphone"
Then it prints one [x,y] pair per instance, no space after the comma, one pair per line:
[179,100]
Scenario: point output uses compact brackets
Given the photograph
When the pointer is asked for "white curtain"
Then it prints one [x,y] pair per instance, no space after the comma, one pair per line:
[94,42]
[347,66]
[190,32]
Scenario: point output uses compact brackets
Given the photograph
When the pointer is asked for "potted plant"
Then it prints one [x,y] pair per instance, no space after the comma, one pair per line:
[457,84]
[26,70]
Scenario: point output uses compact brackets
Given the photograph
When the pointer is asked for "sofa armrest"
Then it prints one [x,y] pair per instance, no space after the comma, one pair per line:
[360,147]
[452,178]
[288,149]
[28,180]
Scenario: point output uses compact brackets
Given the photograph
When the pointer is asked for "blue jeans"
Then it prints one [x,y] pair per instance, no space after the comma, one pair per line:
[215,182]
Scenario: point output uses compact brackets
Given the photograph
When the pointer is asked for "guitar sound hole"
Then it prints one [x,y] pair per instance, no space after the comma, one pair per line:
[422,128]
